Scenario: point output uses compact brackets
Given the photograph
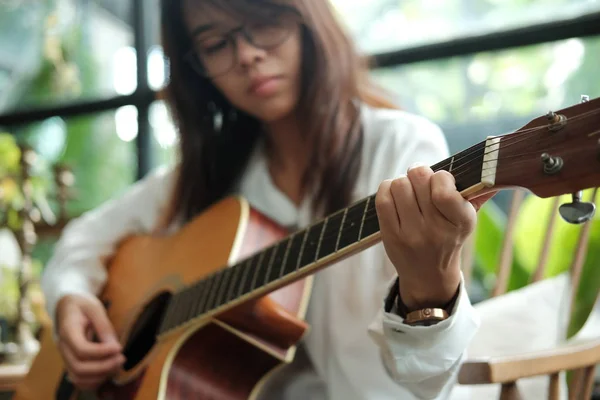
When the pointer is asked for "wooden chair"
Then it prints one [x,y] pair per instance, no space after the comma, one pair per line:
[500,363]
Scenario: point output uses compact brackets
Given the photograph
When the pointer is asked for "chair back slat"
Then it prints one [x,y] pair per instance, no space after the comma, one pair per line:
[579,256]
[506,255]
[543,259]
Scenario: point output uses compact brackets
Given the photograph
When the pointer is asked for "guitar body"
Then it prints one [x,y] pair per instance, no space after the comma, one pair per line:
[226,356]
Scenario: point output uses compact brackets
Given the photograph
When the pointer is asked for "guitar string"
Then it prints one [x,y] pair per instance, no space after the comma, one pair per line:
[507,141]
[371,213]
[511,137]
[188,308]
[189,311]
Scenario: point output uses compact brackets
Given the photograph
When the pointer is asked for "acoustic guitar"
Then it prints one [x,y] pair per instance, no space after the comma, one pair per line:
[211,311]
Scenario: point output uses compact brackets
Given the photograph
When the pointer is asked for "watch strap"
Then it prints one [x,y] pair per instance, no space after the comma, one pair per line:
[424,316]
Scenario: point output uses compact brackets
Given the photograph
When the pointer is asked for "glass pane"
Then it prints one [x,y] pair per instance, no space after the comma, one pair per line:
[64,50]
[493,93]
[98,148]
[383,25]
[164,136]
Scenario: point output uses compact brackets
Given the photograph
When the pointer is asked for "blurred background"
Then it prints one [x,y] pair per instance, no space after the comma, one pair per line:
[71,84]
[79,81]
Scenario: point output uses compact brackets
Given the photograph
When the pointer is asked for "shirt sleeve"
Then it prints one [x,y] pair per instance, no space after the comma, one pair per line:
[77,264]
[426,359]
[423,359]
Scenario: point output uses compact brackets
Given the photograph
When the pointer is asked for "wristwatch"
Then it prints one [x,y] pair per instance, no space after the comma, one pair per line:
[422,317]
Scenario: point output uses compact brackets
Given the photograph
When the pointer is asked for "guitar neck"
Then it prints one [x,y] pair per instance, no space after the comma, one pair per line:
[337,236]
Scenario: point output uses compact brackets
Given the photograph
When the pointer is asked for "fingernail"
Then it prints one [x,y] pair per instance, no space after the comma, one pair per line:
[416,165]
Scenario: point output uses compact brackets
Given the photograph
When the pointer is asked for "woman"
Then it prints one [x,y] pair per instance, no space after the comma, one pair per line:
[273,103]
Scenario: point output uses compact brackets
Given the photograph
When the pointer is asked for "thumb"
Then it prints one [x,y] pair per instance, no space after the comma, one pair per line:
[101,324]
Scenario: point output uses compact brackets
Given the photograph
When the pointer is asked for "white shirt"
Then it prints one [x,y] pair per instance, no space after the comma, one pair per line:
[355,349]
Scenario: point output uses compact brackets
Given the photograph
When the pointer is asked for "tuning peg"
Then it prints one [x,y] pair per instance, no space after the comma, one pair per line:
[577,212]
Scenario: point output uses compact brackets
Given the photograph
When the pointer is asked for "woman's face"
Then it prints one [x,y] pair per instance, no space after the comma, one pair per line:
[256,65]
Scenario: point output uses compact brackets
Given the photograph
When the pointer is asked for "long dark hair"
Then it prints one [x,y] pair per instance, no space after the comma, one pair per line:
[213,157]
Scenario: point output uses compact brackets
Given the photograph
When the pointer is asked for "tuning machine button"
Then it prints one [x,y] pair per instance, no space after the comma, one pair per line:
[552,164]
[556,121]
[577,212]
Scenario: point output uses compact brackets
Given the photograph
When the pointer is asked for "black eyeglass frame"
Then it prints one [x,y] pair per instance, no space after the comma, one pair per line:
[192,58]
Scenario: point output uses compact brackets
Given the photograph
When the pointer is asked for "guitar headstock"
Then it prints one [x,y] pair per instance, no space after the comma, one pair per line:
[555,154]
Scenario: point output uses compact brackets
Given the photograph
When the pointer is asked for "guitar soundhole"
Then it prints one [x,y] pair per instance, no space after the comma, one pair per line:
[143,335]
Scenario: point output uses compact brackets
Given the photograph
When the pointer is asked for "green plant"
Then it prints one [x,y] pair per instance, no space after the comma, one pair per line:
[530,229]
[12,198]
[13,208]
[531,226]
[489,236]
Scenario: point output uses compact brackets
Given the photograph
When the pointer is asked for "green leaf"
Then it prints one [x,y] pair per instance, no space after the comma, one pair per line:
[529,236]
[531,227]
[488,237]
[589,286]
[10,154]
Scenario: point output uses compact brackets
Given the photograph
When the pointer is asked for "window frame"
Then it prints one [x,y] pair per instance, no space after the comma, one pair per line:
[580,27]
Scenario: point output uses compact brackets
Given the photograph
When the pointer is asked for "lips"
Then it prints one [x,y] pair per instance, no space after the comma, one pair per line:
[264,86]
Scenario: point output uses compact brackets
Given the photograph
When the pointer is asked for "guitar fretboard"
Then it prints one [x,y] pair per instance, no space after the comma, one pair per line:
[339,231]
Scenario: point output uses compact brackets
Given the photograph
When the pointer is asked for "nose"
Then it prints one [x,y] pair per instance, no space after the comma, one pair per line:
[247,53]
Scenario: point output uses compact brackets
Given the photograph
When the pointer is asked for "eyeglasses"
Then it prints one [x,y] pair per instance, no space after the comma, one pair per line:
[217,54]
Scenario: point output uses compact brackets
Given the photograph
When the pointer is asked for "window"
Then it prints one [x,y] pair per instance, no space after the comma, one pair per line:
[99,148]
[387,25]
[469,96]
[493,93]
[77,50]
[164,135]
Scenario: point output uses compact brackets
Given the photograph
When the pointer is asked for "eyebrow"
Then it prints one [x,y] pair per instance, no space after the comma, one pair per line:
[201,29]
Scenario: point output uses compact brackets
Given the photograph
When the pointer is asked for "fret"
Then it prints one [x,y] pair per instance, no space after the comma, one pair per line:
[223,286]
[330,234]
[299,258]
[169,321]
[203,296]
[212,297]
[293,254]
[466,166]
[232,284]
[199,293]
[185,306]
[321,238]
[350,231]
[286,255]
[179,306]
[371,223]
[246,267]
[362,221]
[309,253]
[258,270]
[250,282]
[280,252]
[337,242]
[273,251]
